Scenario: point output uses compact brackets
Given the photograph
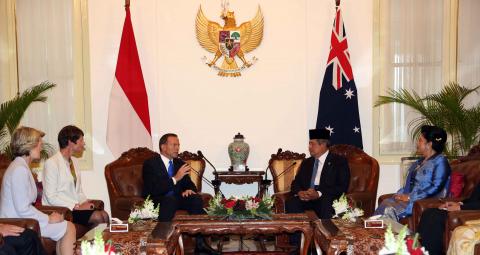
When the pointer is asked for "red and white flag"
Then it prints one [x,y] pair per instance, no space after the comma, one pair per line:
[128,116]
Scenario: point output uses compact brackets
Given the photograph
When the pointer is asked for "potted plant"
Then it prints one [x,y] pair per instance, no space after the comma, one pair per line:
[12,111]
[445,109]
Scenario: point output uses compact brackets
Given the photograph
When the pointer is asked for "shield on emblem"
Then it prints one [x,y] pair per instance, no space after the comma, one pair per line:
[229,43]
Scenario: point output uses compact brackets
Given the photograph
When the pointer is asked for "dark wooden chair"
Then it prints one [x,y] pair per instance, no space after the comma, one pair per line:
[125,180]
[364,175]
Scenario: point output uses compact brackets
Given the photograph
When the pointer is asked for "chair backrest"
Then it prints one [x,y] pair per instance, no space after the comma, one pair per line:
[283,167]
[198,164]
[469,166]
[364,170]
[124,176]
[4,163]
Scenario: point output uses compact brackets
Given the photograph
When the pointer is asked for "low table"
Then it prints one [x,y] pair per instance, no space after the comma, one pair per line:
[280,223]
[335,236]
[151,237]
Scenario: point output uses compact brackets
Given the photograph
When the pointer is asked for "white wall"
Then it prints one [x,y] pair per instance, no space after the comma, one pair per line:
[273,103]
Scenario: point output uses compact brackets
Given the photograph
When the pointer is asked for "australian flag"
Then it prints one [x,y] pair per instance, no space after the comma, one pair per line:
[338,107]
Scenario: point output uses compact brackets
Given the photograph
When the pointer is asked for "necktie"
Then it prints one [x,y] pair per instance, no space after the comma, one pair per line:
[72,171]
[314,173]
[170,168]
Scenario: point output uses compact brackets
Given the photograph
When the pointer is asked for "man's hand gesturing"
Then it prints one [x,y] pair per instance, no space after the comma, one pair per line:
[184,170]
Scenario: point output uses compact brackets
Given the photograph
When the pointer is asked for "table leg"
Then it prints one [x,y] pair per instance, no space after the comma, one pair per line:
[305,243]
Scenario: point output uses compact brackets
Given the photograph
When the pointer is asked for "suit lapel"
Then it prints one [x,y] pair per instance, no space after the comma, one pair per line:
[327,165]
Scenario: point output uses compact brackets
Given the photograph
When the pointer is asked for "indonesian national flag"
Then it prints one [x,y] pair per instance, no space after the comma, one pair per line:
[128,117]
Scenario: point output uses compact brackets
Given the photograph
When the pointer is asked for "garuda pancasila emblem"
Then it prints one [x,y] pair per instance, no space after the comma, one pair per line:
[229,41]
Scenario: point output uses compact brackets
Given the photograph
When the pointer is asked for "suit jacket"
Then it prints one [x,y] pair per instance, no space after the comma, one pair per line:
[473,202]
[19,192]
[59,189]
[157,183]
[334,179]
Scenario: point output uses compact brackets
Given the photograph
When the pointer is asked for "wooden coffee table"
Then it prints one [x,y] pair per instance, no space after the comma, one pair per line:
[280,223]
[151,238]
[336,236]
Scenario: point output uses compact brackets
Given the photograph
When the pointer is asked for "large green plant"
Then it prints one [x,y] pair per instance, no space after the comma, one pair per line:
[444,109]
[12,111]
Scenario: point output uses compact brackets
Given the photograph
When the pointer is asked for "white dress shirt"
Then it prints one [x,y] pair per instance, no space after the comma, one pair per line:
[321,162]
[165,162]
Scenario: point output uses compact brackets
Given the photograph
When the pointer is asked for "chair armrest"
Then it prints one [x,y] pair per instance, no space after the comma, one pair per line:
[385,196]
[67,213]
[205,198]
[423,204]
[280,198]
[22,222]
[98,204]
[459,218]
[363,200]
[128,203]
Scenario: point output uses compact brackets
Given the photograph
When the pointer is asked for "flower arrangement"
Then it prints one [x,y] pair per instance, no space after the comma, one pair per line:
[399,245]
[241,208]
[345,210]
[98,246]
[146,211]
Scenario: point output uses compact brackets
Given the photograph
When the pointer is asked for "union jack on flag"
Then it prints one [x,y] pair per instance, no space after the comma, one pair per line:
[338,104]
[339,56]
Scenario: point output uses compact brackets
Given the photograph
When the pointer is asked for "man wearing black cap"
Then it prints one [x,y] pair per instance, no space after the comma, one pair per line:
[322,178]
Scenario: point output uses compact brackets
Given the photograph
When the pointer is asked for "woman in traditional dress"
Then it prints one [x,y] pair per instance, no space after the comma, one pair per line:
[427,177]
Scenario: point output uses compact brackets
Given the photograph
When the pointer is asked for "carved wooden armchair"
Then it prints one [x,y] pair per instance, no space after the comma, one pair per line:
[283,167]
[364,174]
[124,178]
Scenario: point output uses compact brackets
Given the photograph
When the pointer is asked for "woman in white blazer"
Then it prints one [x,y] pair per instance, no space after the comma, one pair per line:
[62,185]
[19,191]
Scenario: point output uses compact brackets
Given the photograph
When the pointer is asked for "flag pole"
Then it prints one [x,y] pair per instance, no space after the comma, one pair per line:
[127,3]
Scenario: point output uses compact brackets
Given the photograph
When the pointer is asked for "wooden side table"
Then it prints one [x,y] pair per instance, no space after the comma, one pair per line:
[240,177]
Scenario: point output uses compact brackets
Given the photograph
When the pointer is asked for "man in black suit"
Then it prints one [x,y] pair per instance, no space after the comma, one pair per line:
[167,181]
[19,241]
[322,178]
[432,222]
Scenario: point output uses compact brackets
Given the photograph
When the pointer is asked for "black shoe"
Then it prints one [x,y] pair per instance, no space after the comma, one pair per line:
[202,248]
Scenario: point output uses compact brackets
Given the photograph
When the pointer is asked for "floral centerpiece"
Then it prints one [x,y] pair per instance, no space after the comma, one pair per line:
[97,246]
[246,207]
[345,210]
[400,245]
[146,211]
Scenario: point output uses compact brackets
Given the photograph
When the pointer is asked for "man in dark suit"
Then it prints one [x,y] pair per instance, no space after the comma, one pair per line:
[432,222]
[322,178]
[166,180]
[20,241]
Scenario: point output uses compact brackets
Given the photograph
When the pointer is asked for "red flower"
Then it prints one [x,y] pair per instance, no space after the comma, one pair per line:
[229,203]
[413,250]
[109,247]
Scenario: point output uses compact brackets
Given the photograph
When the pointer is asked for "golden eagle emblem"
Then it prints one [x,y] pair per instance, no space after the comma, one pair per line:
[229,41]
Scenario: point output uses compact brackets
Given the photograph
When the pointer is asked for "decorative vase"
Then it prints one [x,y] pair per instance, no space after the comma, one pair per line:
[238,152]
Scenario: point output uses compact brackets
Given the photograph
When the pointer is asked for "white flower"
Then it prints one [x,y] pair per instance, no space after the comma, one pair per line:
[251,204]
[97,247]
[344,210]
[147,211]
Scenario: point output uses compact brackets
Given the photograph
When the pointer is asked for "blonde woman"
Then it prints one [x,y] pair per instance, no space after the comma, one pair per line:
[19,191]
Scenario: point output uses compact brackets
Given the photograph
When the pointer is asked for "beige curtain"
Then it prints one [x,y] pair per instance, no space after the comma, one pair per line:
[411,33]
[45,51]
[468,68]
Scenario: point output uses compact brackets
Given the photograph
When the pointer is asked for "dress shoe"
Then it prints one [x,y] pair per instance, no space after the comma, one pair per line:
[202,248]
